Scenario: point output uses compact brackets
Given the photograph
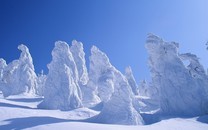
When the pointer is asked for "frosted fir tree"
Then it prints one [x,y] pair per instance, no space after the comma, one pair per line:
[131,80]
[178,90]
[114,91]
[61,90]
[19,76]
[41,79]
[89,98]
[78,54]
[2,66]
[196,70]
[101,74]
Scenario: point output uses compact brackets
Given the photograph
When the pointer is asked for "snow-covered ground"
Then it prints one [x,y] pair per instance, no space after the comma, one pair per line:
[20,112]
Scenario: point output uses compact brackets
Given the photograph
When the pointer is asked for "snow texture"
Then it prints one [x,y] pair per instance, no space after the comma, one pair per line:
[181,90]
[61,89]
[18,76]
[115,91]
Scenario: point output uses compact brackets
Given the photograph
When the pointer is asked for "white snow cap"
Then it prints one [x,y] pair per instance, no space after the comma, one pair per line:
[25,56]
[61,89]
[2,63]
[178,90]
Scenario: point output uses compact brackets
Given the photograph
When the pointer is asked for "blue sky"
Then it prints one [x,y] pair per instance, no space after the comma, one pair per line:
[117,27]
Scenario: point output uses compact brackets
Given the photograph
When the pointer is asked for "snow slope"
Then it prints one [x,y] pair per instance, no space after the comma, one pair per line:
[20,112]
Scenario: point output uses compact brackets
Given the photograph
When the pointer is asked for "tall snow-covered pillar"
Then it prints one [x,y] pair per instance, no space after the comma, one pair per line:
[19,76]
[114,90]
[179,93]
[61,89]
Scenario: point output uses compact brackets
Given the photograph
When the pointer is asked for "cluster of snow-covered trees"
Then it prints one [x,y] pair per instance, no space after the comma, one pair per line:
[176,89]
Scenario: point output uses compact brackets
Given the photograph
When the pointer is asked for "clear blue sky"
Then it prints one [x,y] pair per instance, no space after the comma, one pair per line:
[117,27]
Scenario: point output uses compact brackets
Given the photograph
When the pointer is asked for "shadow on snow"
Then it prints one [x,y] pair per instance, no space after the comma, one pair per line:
[28,122]
[26,100]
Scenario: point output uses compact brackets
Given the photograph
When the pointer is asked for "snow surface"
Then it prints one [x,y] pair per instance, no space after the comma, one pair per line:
[20,112]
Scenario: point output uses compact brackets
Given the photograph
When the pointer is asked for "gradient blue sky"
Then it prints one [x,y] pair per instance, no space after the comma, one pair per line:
[117,27]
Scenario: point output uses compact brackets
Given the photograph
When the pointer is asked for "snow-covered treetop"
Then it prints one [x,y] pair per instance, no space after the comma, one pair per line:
[25,56]
[99,56]
[77,51]
[194,62]
[128,71]
[99,64]
[155,45]
[2,63]
[62,54]
[60,51]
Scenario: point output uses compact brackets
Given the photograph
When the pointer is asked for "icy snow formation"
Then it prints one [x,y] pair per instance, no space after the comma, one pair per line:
[18,76]
[131,80]
[89,97]
[61,89]
[180,93]
[114,90]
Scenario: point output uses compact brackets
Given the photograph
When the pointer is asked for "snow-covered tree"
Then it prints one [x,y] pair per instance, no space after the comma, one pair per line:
[101,74]
[179,92]
[41,79]
[114,90]
[19,76]
[78,54]
[89,97]
[2,66]
[61,90]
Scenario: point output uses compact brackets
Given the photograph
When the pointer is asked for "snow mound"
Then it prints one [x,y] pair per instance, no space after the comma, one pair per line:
[61,89]
[179,92]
